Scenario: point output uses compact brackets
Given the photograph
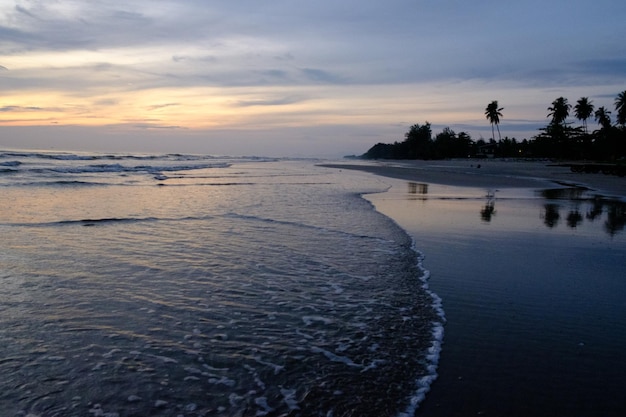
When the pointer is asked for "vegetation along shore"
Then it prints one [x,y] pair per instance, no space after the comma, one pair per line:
[559,139]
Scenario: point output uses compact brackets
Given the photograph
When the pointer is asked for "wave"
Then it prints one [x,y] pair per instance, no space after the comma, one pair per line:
[113,168]
[68,156]
[10,163]
[68,183]
[106,221]
[434,351]
[296,224]
[94,222]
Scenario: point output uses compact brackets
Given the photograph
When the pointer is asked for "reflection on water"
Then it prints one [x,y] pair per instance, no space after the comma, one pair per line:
[574,218]
[570,193]
[575,197]
[551,215]
[616,218]
[532,303]
[418,189]
[489,210]
[571,207]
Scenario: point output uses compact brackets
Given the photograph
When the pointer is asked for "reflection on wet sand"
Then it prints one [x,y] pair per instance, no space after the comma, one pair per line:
[577,197]
[551,215]
[418,189]
[532,297]
[489,210]
[579,205]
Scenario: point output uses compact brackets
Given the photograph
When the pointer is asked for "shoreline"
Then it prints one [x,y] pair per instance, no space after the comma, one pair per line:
[490,173]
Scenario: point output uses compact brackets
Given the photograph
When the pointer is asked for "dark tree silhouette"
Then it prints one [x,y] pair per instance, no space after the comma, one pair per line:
[603,117]
[419,142]
[559,139]
[583,111]
[492,113]
[620,108]
[559,111]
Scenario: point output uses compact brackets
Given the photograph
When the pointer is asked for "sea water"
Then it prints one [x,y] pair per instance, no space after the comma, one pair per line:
[186,285]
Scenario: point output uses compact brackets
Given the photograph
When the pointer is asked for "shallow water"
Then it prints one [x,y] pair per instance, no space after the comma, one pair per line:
[177,285]
[532,283]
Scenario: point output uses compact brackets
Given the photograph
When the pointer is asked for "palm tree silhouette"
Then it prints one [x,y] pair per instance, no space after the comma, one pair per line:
[492,113]
[603,117]
[583,110]
[620,108]
[559,111]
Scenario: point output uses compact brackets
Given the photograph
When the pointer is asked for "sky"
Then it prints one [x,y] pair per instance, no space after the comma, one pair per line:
[322,78]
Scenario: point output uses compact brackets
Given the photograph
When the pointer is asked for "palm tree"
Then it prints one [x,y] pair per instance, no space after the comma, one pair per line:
[492,113]
[583,110]
[603,117]
[620,108]
[559,111]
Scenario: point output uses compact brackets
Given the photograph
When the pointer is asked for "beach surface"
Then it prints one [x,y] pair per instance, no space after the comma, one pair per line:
[490,173]
[529,260]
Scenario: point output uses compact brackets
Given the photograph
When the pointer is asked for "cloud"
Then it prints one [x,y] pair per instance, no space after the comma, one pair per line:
[150,126]
[321,76]
[21,10]
[281,101]
[614,68]
[13,109]
[162,106]
[191,58]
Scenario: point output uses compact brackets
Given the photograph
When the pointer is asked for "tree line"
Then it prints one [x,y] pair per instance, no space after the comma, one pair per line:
[559,139]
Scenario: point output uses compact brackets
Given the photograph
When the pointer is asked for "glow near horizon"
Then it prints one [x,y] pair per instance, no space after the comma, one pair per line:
[281,75]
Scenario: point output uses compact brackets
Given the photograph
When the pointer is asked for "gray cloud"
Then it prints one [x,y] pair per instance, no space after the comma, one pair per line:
[348,42]
[322,76]
[161,106]
[280,101]
[13,109]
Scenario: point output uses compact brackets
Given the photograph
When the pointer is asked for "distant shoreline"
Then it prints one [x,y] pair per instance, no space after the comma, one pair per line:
[490,173]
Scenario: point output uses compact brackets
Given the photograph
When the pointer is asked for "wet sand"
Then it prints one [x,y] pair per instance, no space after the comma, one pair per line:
[531,274]
[490,173]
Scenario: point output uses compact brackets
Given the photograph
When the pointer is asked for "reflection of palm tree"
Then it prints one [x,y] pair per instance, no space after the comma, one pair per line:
[488,211]
[616,218]
[596,210]
[574,218]
[492,113]
[551,216]
[583,110]
[620,108]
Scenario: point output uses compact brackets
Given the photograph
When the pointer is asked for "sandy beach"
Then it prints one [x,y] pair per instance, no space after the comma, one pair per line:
[530,270]
[490,173]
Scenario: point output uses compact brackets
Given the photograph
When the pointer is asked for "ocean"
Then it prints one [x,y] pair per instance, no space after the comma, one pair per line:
[187,285]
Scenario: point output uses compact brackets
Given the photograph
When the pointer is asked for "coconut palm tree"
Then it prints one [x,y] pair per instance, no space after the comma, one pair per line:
[559,111]
[620,108]
[583,110]
[492,113]
[603,117]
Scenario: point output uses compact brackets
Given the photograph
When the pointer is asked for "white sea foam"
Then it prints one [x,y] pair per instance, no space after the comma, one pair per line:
[334,357]
[424,382]
[289,398]
[309,320]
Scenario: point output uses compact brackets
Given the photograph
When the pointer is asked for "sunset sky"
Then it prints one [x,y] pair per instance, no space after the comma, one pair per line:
[294,78]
